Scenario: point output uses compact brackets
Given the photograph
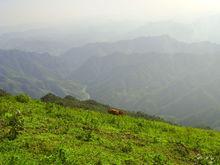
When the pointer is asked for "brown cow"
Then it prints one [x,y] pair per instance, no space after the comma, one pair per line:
[115,111]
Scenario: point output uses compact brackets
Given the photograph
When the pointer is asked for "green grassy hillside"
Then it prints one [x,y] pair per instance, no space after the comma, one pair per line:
[34,132]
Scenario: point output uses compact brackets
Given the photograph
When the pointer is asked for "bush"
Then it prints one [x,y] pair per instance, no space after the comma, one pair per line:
[50,98]
[72,102]
[68,97]
[15,122]
[3,93]
[22,98]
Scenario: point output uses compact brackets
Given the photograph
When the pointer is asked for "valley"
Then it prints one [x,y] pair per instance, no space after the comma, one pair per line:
[156,75]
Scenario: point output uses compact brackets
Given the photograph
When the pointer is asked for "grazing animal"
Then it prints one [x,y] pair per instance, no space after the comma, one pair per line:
[115,111]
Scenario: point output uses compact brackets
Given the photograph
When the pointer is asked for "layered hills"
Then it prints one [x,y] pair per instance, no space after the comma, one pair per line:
[158,75]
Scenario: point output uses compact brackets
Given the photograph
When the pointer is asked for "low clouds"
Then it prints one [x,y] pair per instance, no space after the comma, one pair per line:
[30,11]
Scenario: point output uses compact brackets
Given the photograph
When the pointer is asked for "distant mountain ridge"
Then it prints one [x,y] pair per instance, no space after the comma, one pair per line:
[76,56]
[158,75]
[36,74]
[59,38]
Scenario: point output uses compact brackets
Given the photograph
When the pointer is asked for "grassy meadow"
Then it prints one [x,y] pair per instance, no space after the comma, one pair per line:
[34,132]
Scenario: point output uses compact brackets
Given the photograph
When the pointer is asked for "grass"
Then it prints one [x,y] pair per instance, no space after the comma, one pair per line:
[47,133]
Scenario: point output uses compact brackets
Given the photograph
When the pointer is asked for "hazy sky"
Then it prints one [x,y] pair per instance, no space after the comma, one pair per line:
[14,12]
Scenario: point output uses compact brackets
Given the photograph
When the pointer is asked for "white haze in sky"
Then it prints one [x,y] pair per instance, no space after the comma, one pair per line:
[15,12]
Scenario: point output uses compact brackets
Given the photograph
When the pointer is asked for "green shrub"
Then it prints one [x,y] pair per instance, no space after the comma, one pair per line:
[160,160]
[22,98]
[50,98]
[127,148]
[15,122]
[62,156]
[72,102]
[3,93]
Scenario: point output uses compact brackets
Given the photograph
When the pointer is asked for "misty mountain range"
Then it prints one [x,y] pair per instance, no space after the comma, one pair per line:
[159,75]
[58,39]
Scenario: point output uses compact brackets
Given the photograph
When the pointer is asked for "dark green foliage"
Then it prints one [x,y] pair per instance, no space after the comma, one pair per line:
[68,97]
[72,102]
[3,93]
[23,98]
[51,98]
[127,148]
[14,124]
[145,116]
[85,136]
[159,160]
[62,156]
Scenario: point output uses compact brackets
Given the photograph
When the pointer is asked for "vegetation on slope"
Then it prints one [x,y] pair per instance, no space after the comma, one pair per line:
[72,102]
[34,132]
